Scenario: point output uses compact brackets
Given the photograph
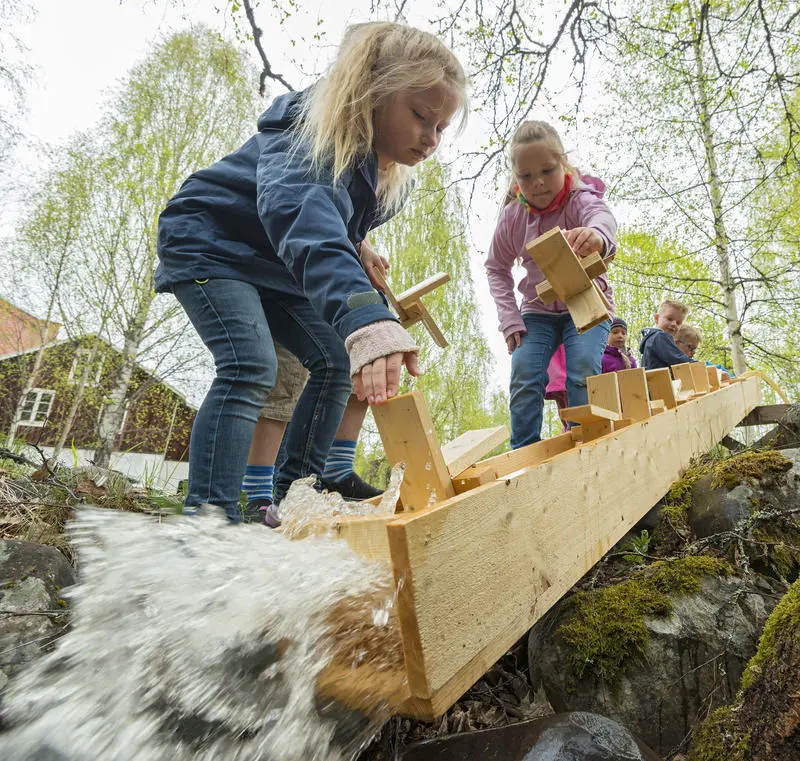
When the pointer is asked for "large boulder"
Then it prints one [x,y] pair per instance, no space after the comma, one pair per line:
[651,658]
[32,611]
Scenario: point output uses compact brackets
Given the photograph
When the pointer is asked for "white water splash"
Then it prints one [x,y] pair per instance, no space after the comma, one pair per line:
[303,506]
[193,639]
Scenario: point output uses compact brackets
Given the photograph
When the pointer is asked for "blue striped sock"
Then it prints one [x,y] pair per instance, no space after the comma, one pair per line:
[257,482]
[339,464]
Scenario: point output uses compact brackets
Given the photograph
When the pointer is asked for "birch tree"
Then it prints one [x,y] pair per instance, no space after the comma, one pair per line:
[705,83]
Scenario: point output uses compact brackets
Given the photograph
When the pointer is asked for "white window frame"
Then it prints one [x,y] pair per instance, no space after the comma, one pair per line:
[86,353]
[36,408]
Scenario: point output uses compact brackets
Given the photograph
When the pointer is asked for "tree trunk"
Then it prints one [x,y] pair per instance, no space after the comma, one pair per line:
[111,418]
[76,401]
[721,239]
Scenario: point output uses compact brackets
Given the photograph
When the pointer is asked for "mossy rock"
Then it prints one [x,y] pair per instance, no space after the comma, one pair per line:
[607,627]
[748,467]
[764,723]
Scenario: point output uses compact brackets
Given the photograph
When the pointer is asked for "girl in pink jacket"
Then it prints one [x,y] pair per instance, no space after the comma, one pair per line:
[546,192]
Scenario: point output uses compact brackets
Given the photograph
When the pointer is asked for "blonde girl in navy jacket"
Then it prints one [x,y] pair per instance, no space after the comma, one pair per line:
[264,244]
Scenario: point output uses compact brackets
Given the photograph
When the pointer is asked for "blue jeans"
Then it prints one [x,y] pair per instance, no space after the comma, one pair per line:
[529,369]
[237,322]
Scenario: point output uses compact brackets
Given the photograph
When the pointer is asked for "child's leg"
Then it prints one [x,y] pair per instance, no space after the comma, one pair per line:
[584,358]
[529,377]
[273,419]
[230,319]
[298,327]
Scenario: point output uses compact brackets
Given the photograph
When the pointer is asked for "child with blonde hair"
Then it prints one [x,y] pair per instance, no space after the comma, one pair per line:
[687,339]
[658,347]
[546,192]
[263,246]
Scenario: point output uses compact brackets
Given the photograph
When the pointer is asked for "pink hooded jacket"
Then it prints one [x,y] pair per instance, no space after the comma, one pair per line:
[585,207]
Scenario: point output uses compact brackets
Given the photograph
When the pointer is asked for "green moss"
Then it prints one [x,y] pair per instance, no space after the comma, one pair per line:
[608,627]
[679,497]
[782,626]
[782,543]
[747,467]
[720,738]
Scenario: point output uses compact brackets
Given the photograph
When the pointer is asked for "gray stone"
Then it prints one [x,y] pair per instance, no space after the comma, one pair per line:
[32,577]
[716,510]
[577,736]
[694,661]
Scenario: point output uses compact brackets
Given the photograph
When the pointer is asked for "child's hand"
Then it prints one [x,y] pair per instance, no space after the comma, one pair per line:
[584,240]
[373,261]
[377,353]
[378,382]
[512,342]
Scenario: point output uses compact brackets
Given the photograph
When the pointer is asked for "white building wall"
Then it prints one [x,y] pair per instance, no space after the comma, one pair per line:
[147,469]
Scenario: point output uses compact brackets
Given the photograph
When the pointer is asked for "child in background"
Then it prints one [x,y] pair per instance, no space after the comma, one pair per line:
[262,246]
[617,356]
[687,339]
[658,348]
[546,192]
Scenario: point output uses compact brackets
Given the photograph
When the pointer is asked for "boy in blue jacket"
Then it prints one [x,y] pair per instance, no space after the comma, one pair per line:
[658,347]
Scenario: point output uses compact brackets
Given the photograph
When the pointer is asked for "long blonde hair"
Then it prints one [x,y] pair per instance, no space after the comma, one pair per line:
[532,132]
[376,61]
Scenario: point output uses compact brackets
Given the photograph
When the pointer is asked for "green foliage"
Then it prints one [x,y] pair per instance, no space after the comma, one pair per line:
[637,548]
[648,269]
[607,627]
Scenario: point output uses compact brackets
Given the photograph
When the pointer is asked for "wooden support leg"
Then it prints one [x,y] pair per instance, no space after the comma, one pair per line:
[406,430]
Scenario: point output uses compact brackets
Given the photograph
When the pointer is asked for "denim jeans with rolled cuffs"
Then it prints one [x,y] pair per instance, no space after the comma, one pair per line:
[584,353]
[237,321]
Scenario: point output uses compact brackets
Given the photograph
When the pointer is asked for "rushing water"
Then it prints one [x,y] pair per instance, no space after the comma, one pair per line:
[194,639]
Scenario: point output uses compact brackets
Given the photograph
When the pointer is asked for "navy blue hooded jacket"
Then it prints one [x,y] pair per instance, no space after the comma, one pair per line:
[658,349]
[261,216]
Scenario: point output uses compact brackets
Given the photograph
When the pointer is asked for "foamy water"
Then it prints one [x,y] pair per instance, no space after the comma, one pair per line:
[194,639]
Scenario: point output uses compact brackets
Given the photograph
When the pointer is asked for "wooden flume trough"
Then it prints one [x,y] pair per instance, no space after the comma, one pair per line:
[482,548]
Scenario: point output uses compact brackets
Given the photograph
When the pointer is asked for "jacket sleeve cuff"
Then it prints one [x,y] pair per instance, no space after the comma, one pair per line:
[517,327]
[378,339]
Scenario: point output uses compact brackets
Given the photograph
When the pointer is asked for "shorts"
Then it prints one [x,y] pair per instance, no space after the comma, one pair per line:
[289,384]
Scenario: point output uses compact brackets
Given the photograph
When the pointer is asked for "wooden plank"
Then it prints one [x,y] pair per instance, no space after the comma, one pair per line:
[593,265]
[556,259]
[714,377]
[470,446]
[416,292]
[588,309]
[766,414]
[683,373]
[415,312]
[589,431]
[408,436]
[588,413]
[633,394]
[700,377]
[659,386]
[524,457]
[538,532]
[657,406]
[604,391]
[462,483]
